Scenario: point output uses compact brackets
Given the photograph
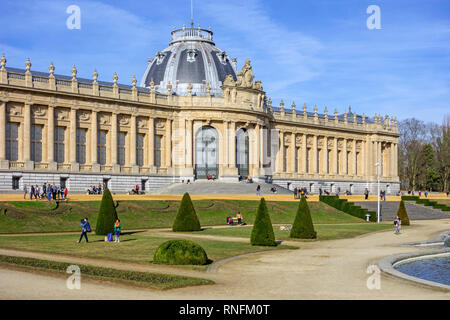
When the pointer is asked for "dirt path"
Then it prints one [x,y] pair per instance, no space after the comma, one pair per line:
[334,269]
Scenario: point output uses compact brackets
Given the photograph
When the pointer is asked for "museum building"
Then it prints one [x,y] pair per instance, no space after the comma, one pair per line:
[192,116]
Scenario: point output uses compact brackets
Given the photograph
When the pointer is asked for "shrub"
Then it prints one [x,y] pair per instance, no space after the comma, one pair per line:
[180,252]
[262,232]
[303,226]
[402,214]
[107,215]
[186,219]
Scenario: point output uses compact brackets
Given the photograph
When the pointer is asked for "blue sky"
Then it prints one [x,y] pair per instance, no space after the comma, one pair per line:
[318,52]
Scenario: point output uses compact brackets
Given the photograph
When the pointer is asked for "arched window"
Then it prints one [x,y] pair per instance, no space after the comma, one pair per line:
[242,153]
[206,153]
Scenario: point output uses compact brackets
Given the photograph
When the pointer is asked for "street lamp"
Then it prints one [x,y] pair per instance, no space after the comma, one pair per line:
[378,194]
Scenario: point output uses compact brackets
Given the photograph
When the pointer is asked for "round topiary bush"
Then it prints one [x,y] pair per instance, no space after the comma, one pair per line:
[180,252]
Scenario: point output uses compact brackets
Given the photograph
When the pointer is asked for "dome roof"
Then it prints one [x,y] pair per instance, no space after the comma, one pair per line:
[191,58]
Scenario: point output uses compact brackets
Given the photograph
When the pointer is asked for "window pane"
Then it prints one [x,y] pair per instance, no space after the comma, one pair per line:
[101,147]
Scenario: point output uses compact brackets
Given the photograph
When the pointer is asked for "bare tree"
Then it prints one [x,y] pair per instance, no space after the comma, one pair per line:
[442,148]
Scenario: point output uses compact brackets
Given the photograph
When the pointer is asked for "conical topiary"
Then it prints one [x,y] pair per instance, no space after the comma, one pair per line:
[186,219]
[303,227]
[262,233]
[402,214]
[107,215]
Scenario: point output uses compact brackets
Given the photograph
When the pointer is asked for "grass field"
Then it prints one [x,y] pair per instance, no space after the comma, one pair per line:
[34,216]
[138,247]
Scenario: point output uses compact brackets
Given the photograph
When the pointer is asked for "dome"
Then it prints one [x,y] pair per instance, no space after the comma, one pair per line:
[192,58]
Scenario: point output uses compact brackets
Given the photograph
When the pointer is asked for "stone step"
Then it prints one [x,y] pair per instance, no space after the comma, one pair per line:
[216,187]
[415,212]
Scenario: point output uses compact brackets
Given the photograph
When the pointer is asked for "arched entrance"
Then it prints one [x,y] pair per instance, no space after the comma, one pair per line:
[206,153]
[243,153]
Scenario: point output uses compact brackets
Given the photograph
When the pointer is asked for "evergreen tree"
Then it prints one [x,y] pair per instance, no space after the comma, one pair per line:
[402,214]
[303,227]
[107,215]
[262,233]
[186,219]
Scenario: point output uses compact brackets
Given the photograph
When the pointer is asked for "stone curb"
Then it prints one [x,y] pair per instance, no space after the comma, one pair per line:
[387,266]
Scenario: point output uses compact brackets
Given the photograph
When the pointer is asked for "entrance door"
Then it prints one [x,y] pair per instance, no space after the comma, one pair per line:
[206,153]
[242,153]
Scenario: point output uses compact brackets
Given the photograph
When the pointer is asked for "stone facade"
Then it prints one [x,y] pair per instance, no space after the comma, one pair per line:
[85,132]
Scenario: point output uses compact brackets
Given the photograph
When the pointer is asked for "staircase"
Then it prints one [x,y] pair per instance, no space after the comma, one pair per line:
[415,211]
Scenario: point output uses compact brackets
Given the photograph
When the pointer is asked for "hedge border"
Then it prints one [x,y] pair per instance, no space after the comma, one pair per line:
[348,207]
[427,203]
[158,281]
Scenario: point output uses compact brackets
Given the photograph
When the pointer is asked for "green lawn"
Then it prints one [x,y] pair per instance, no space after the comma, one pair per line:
[442,201]
[324,231]
[32,216]
[138,247]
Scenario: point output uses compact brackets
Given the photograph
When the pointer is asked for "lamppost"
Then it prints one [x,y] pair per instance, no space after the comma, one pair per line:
[378,193]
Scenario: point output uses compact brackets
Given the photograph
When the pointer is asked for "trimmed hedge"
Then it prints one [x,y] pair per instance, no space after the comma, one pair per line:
[262,232]
[303,227]
[348,207]
[148,279]
[180,252]
[107,215]
[186,219]
[427,203]
[402,214]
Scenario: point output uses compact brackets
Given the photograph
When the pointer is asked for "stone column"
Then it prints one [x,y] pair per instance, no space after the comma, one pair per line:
[258,150]
[188,150]
[133,144]
[27,137]
[232,159]
[4,164]
[94,138]
[315,168]
[73,140]
[354,159]
[325,156]
[304,151]
[335,156]
[292,154]
[168,143]
[280,157]
[51,138]
[345,158]
[378,143]
[395,164]
[114,133]
[151,143]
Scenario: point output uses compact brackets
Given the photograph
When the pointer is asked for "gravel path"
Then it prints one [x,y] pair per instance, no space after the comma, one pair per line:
[333,269]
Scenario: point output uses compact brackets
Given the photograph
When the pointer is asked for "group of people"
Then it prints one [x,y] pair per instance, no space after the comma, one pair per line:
[301,193]
[211,177]
[86,228]
[230,220]
[47,191]
[95,189]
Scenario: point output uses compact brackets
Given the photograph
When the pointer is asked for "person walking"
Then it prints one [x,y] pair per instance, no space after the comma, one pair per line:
[295,193]
[397,224]
[66,191]
[85,228]
[32,192]
[258,190]
[25,192]
[239,217]
[366,194]
[117,228]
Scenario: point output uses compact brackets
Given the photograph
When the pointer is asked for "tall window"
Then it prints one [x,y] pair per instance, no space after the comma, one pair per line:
[12,141]
[158,146]
[59,144]
[307,159]
[296,159]
[346,162]
[318,160]
[339,162]
[36,143]
[81,146]
[357,163]
[285,152]
[140,150]
[121,148]
[328,160]
[101,147]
